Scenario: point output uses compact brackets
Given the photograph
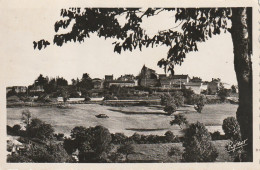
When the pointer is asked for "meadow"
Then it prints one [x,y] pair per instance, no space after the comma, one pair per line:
[128,120]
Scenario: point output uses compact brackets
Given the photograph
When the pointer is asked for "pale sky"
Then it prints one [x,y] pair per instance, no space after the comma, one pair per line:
[21,64]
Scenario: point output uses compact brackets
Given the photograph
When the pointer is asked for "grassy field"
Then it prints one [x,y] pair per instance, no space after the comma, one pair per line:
[141,119]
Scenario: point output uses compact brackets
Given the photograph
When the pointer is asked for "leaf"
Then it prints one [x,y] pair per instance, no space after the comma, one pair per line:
[210,34]
[34,44]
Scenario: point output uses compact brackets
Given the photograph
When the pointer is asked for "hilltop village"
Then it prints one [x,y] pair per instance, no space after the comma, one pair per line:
[147,82]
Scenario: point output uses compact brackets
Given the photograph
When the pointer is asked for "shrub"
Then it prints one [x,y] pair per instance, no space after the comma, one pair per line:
[59,136]
[198,107]
[136,138]
[169,136]
[187,93]
[18,158]
[198,101]
[11,93]
[92,142]
[87,99]
[198,145]
[58,153]
[39,129]
[170,109]
[170,103]
[178,98]
[74,94]
[174,151]
[216,135]
[16,129]
[9,130]
[164,99]
[69,145]
[102,139]
[223,93]
[42,153]
[26,117]
[118,138]
[179,119]
[109,97]
[231,128]
[126,149]
[233,89]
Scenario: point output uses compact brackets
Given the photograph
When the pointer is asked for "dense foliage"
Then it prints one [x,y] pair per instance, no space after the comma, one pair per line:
[168,137]
[223,93]
[93,143]
[172,101]
[231,128]
[42,154]
[198,101]
[126,149]
[39,129]
[180,120]
[236,146]
[198,145]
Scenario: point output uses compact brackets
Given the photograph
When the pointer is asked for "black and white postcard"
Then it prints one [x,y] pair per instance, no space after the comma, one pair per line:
[129,85]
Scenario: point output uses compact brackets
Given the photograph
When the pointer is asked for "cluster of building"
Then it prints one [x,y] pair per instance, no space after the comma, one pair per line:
[147,78]
[24,89]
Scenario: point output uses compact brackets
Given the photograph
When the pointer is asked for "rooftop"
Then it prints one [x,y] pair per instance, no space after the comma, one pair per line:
[181,76]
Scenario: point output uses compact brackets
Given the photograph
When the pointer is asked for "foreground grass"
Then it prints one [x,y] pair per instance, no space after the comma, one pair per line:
[159,152]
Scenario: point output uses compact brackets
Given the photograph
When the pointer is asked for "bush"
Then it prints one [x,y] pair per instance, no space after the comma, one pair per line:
[174,151]
[198,101]
[9,130]
[216,135]
[198,107]
[231,128]
[59,136]
[69,145]
[179,119]
[39,129]
[74,94]
[11,93]
[171,103]
[135,138]
[18,159]
[42,153]
[92,142]
[170,109]
[126,149]
[223,93]
[169,137]
[187,93]
[16,128]
[87,99]
[109,97]
[176,98]
[198,145]
[118,138]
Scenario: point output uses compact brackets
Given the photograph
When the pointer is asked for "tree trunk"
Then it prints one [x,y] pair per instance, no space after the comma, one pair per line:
[241,36]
